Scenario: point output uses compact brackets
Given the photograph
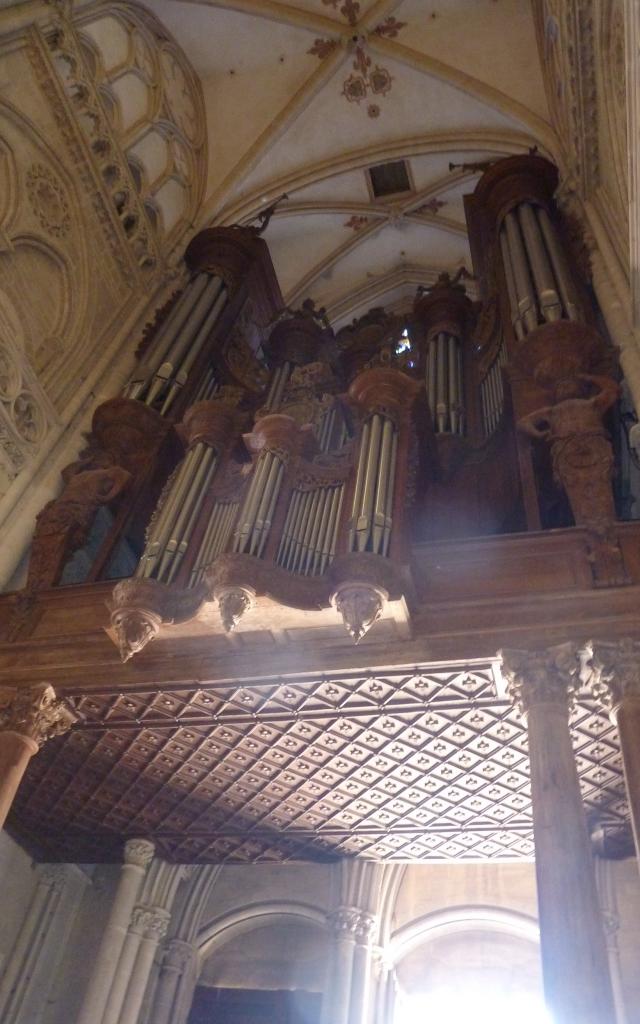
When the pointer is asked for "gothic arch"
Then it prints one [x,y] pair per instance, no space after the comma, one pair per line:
[465,918]
[244,919]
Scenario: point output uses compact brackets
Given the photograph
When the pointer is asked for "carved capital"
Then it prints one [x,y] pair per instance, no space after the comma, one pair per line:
[344,921]
[54,877]
[366,929]
[151,922]
[178,955]
[547,676]
[34,712]
[138,852]
[616,672]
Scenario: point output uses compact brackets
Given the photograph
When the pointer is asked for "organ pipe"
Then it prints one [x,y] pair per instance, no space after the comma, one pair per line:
[254,521]
[179,342]
[371,523]
[445,386]
[171,530]
[538,278]
[310,530]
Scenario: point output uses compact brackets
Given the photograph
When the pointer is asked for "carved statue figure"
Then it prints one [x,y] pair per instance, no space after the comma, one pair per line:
[63,525]
[583,463]
[580,448]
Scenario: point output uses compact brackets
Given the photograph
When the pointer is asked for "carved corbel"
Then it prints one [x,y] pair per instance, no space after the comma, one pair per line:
[361,586]
[139,607]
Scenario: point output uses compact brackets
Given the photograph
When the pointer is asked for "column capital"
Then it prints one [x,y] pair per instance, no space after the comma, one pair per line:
[353,922]
[150,922]
[138,852]
[547,676]
[178,954]
[34,712]
[54,876]
[616,672]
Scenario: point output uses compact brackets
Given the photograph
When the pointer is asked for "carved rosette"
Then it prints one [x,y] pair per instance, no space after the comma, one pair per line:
[138,852]
[233,602]
[616,673]
[34,712]
[541,677]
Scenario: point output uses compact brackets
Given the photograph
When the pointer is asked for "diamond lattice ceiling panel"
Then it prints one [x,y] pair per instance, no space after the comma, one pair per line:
[422,765]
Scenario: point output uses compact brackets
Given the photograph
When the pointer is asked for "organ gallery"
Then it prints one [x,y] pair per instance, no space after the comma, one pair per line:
[319,642]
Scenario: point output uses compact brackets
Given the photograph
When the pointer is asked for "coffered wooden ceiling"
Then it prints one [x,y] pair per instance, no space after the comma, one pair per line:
[304,97]
[422,763]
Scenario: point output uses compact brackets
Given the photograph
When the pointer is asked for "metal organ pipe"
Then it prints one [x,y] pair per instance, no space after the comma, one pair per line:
[254,521]
[310,531]
[540,264]
[171,530]
[525,292]
[370,525]
[560,267]
[445,385]
[279,378]
[179,341]
[538,278]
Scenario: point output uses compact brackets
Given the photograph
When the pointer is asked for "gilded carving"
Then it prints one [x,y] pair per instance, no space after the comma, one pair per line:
[35,712]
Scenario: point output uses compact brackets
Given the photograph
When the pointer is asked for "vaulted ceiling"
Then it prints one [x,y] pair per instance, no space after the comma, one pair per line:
[303,98]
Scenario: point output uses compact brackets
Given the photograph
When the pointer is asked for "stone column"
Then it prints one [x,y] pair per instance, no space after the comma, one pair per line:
[178,955]
[23,963]
[361,978]
[150,926]
[611,921]
[137,857]
[616,684]
[574,953]
[337,996]
[28,717]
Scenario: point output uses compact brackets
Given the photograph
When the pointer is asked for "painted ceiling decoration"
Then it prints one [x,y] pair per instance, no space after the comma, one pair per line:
[287,91]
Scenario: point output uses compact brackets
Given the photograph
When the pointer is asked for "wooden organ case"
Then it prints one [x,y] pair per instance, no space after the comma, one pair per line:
[258,461]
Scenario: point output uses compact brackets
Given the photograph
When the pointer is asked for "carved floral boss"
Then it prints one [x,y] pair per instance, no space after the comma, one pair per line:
[366,78]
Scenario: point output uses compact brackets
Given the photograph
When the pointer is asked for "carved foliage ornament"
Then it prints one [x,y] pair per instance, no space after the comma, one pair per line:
[34,712]
[616,672]
[48,200]
[138,852]
[541,677]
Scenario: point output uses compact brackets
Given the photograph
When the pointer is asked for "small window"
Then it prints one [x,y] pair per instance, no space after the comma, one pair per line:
[389,179]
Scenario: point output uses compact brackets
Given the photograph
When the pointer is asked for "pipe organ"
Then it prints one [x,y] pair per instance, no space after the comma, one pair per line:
[259,453]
